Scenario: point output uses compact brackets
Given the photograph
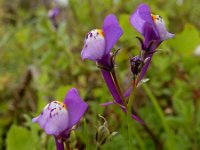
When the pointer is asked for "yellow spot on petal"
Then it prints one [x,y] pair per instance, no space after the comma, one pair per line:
[153,17]
[61,104]
[100,32]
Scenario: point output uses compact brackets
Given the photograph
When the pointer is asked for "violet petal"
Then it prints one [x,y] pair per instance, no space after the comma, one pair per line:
[107,103]
[112,31]
[145,68]
[149,35]
[75,106]
[141,17]
[128,92]
[53,12]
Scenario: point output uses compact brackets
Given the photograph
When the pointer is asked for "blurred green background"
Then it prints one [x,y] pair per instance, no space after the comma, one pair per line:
[39,64]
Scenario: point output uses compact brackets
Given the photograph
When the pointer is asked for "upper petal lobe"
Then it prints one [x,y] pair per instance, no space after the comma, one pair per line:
[75,106]
[112,31]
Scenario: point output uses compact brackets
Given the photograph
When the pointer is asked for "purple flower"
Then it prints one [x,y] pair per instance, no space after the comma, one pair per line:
[52,14]
[99,42]
[58,118]
[153,29]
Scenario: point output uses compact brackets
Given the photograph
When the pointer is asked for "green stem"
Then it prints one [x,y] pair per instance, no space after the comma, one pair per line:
[97,147]
[87,142]
[131,128]
[130,102]
[129,131]
[138,138]
[170,142]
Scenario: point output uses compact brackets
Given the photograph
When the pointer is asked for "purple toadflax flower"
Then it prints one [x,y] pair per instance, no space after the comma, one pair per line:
[154,31]
[58,118]
[99,42]
[97,47]
[52,14]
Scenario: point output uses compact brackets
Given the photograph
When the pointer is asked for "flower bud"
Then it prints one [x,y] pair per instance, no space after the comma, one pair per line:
[136,65]
[103,133]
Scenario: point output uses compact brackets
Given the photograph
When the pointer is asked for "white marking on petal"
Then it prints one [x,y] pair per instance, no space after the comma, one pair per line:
[93,37]
[54,118]
[160,25]
[94,46]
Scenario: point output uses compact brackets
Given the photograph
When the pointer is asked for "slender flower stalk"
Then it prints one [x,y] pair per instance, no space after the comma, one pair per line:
[130,102]
[59,144]
[58,118]
[131,130]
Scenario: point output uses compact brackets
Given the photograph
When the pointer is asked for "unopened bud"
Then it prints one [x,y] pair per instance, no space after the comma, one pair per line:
[103,133]
[136,65]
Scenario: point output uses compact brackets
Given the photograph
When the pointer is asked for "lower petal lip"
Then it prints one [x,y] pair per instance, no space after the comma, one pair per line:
[35,119]
[83,56]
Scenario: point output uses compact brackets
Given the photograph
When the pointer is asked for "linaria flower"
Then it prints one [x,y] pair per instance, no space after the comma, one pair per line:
[99,42]
[153,29]
[52,14]
[58,118]
[97,47]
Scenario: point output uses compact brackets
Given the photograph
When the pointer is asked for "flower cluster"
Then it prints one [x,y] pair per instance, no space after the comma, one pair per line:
[58,118]
[98,44]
